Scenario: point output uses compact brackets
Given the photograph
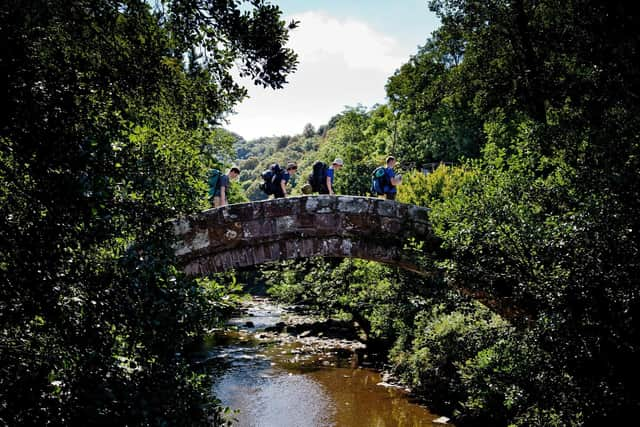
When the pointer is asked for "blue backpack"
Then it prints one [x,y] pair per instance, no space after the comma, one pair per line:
[214,181]
[271,178]
[378,180]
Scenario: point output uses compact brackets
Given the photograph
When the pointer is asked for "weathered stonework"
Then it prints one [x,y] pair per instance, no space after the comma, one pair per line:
[300,227]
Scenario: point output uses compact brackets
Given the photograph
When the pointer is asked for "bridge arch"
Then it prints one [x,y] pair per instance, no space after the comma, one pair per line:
[253,233]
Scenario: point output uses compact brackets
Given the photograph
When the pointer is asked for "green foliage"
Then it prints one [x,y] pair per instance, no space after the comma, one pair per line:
[433,122]
[439,341]
[350,140]
[108,134]
[523,230]
[427,190]
[514,381]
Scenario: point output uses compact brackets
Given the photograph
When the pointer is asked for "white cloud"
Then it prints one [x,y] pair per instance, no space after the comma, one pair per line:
[343,62]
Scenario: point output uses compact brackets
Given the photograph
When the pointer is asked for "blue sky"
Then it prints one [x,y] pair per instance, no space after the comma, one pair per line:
[347,50]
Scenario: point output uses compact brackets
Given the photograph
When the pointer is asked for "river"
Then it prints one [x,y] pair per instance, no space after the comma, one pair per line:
[280,376]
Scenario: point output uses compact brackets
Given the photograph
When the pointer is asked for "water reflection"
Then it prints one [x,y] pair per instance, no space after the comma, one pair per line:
[268,398]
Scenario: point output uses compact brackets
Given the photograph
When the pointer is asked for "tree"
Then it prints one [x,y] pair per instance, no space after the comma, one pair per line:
[308,131]
[551,221]
[101,145]
[434,120]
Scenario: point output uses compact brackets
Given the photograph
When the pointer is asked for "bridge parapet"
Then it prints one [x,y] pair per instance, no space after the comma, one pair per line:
[299,227]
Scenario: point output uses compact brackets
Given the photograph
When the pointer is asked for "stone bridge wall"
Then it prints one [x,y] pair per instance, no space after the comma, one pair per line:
[299,227]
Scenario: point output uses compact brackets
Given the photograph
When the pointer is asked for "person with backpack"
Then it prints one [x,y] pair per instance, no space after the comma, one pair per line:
[219,185]
[275,180]
[321,178]
[335,166]
[317,178]
[385,180]
[271,179]
[280,184]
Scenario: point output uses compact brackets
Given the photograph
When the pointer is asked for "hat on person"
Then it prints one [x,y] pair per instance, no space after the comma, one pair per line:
[338,161]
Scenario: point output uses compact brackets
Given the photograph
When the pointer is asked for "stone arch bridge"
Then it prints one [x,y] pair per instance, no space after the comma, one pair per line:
[300,227]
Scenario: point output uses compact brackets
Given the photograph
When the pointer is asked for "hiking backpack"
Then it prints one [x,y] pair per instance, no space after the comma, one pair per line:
[271,178]
[318,178]
[214,181]
[378,180]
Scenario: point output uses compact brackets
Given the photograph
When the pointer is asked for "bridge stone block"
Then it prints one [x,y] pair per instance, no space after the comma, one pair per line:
[356,205]
[306,222]
[285,224]
[354,222]
[278,207]
[390,226]
[321,204]
[387,208]
[326,222]
[181,227]
[199,240]
[346,247]
[418,214]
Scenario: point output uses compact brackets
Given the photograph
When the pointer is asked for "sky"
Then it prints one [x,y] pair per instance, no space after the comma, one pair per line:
[347,49]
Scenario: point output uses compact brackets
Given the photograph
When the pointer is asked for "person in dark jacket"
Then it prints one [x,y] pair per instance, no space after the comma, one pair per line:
[281,187]
[222,191]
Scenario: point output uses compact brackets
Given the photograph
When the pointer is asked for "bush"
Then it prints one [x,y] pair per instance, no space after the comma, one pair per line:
[441,341]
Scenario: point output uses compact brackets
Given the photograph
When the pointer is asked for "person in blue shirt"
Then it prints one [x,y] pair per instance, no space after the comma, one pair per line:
[392,180]
[281,187]
[335,166]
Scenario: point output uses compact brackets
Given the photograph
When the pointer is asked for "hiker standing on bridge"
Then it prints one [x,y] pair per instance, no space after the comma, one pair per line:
[335,166]
[385,181]
[222,188]
[390,189]
[280,189]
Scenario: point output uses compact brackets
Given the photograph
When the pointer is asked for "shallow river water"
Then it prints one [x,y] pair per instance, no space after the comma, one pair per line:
[281,383]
